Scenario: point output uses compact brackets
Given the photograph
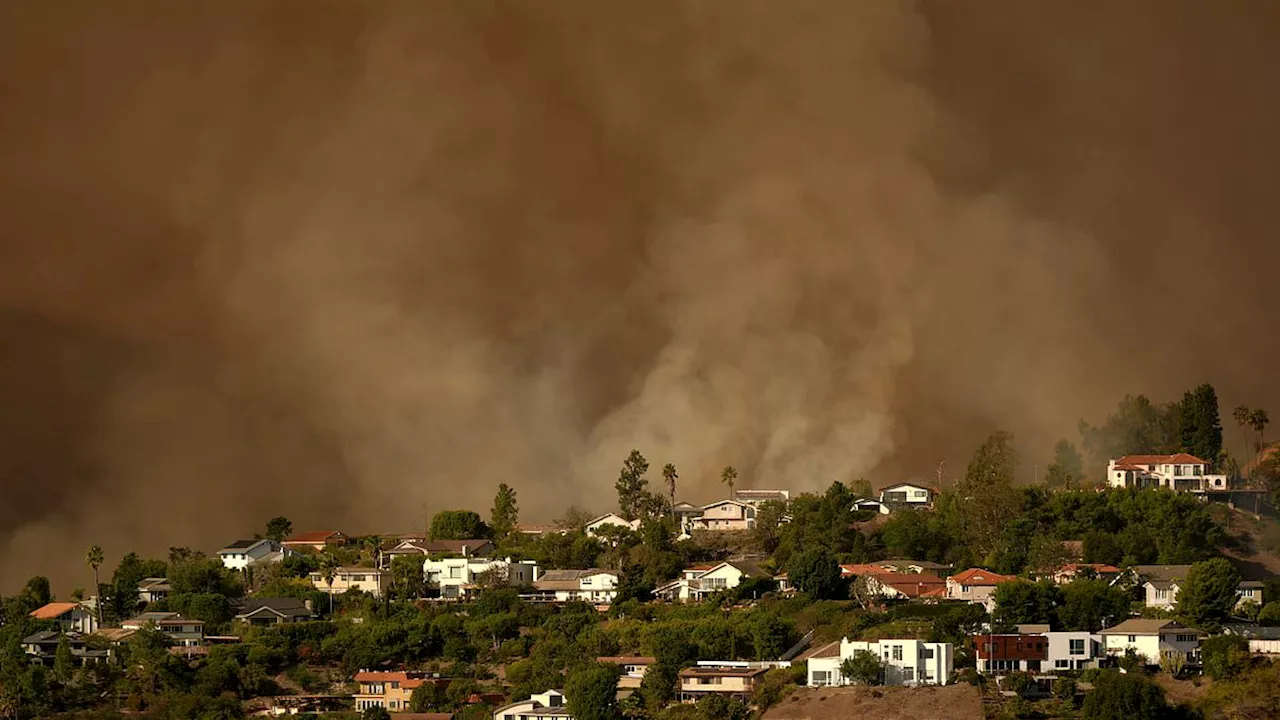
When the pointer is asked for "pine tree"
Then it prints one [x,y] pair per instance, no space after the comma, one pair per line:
[631,485]
[1199,427]
[505,513]
[1067,469]
[62,661]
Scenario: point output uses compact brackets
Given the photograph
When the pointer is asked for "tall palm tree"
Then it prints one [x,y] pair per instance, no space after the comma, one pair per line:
[1259,420]
[329,570]
[669,474]
[728,476]
[95,558]
[1242,415]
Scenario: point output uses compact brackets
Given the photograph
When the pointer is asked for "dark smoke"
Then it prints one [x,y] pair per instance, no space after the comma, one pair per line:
[355,262]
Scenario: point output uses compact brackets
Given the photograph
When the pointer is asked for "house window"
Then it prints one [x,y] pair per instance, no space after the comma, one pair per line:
[1186,638]
[909,674]
[964,588]
[926,653]
[1062,663]
[1162,594]
[897,652]
[821,677]
[1133,638]
[1077,647]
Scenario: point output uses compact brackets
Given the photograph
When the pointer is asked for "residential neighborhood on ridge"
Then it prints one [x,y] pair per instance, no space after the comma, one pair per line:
[1056,598]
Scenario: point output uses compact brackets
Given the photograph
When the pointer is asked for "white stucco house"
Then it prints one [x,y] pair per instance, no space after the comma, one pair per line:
[1068,650]
[726,515]
[243,554]
[1152,639]
[456,577]
[592,529]
[906,661]
[1161,583]
[698,582]
[370,580]
[592,585]
[906,495]
[1179,472]
[547,705]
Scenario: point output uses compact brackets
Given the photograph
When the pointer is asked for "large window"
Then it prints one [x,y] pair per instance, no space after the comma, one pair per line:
[897,652]
[926,653]
[909,674]
[821,677]
[1077,647]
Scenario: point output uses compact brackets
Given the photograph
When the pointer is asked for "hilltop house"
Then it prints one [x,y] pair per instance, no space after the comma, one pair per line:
[698,582]
[759,497]
[633,668]
[543,706]
[1152,639]
[456,577]
[595,586]
[593,529]
[1179,472]
[726,515]
[273,611]
[906,662]
[976,585]
[153,589]
[477,547]
[906,495]
[244,554]
[183,631]
[316,540]
[737,680]
[70,616]
[370,580]
[390,690]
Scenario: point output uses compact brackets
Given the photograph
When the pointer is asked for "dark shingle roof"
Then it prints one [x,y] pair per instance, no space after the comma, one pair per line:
[289,607]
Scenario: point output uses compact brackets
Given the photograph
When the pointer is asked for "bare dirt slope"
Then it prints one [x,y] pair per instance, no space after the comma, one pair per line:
[952,702]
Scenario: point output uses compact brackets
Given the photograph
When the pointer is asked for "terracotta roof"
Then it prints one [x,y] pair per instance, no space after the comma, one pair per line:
[407,680]
[1177,458]
[862,569]
[1099,568]
[709,671]
[979,576]
[54,610]
[315,536]
[913,584]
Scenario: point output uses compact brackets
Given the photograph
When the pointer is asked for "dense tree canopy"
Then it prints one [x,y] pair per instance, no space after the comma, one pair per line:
[1209,594]
[458,525]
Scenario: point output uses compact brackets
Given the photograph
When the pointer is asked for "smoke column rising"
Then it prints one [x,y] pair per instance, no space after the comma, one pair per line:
[353,262]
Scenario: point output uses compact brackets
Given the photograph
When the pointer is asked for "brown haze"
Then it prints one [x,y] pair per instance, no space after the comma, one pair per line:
[353,262]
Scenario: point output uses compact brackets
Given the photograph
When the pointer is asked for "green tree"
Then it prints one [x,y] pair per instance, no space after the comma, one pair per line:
[1207,598]
[1137,427]
[428,697]
[591,693]
[406,577]
[94,557]
[720,707]
[669,476]
[329,570]
[767,532]
[632,485]
[769,635]
[817,573]
[986,499]
[1091,605]
[863,668]
[62,660]
[375,712]
[458,525]
[1269,615]
[1025,602]
[279,528]
[1199,428]
[1067,468]
[1118,696]
[671,650]
[505,513]
[1259,420]
[729,476]
[1225,656]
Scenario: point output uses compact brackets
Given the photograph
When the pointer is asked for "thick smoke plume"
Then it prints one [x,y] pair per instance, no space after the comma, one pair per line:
[356,262]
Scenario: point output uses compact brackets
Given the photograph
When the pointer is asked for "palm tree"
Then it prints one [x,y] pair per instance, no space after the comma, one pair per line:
[728,476]
[373,544]
[329,570]
[95,559]
[1242,414]
[1258,420]
[669,474]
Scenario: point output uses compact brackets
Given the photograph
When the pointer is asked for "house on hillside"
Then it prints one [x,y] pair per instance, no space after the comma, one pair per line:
[593,529]
[1068,650]
[976,585]
[1262,640]
[906,495]
[273,611]
[871,505]
[456,577]
[633,668]
[41,648]
[734,681]
[547,705]
[685,515]
[477,547]
[913,566]
[1152,638]
[726,515]
[316,540]
[1160,585]
[697,583]
[153,589]
[906,661]
[908,586]
[595,586]
[183,631]
[243,554]
[390,690]
[369,580]
[1003,653]
[70,616]
[1179,472]
[759,497]
[1070,572]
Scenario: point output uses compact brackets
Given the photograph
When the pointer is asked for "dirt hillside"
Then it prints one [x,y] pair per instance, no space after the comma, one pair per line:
[952,702]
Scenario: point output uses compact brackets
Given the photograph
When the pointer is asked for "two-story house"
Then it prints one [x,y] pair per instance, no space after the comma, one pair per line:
[182,630]
[1071,571]
[759,497]
[390,690]
[1073,650]
[907,586]
[592,585]
[70,616]
[1003,653]
[735,681]
[316,540]
[1152,639]
[369,580]
[243,554]
[41,648]
[699,582]
[457,577]
[977,586]
[633,668]
[906,661]
[726,515]
[412,547]
[1161,583]
[906,495]
[547,705]
[153,589]
[1179,472]
[273,611]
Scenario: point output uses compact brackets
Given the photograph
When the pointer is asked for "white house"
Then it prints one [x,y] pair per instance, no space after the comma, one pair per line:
[543,706]
[906,662]
[183,630]
[1152,639]
[976,585]
[1070,650]
[758,497]
[906,495]
[370,580]
[71,616]
[1161,583]
[872,505]
[1180,472]
[698,582]
[595,586]
[726,515]
[633,668]
[243,554]
[1262,640]
[455,577]
[592,529]
[153,589]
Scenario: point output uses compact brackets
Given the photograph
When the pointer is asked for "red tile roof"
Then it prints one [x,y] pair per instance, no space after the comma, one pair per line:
[1179,458]
[862,569]
[913,584]
[54,610]
[979,576]
[1099,568]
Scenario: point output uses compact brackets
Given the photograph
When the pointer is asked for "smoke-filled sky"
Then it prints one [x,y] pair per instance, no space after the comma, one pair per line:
[354,262]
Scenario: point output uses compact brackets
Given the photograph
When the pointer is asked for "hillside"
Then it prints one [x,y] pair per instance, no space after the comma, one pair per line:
[1257,553]
[951,702]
